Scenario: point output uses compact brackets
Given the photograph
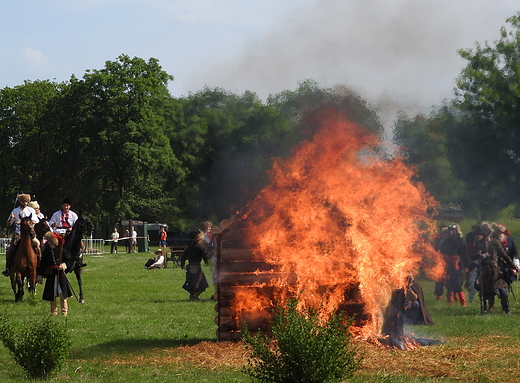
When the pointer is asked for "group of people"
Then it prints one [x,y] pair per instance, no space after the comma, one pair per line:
[485,261]
[52,262]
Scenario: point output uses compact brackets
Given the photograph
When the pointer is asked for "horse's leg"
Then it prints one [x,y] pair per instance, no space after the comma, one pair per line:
[14,286]
[77,271]
[18,296]
[32,281]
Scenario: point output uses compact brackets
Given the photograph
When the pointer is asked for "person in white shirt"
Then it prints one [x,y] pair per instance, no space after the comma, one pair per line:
[133,241]
[36,207]
[19,212]
[62,221]
[157,262]
[114,237]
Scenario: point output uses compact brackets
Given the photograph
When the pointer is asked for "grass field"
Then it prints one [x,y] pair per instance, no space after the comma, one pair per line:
[139,326]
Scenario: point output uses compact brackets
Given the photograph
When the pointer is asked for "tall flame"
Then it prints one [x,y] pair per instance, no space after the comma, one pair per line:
[336,216]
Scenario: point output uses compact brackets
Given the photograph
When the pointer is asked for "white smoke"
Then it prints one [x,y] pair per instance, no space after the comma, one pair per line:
[400,54]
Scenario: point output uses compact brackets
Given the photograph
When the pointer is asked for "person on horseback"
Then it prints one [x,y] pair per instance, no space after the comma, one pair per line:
[62,220]
[36,207]
[19,212]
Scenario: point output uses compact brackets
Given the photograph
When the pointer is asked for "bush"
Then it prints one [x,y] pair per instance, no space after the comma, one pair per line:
[40,348]
[302,350]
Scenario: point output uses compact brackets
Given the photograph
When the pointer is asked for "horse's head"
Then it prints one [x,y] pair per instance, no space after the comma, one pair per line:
[42,227]
[27,225]
[84,224]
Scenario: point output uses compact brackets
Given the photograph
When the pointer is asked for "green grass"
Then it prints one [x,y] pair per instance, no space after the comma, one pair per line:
[134,319]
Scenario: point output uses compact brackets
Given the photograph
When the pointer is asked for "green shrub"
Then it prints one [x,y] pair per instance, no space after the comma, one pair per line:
[302,349]
[40,347]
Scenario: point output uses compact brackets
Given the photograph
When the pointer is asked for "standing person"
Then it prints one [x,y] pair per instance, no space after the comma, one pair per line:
[19,212]
[163,235]
[196,282]
[504,236]
[471,276]
[53,264]
[62,220]
[36,207]
[127,241]
[489,251]
[133,240]
[454,251]
[114,236]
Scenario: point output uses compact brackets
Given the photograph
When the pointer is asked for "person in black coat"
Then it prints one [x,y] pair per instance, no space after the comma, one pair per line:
[52,267]
[196,282]
[416,312]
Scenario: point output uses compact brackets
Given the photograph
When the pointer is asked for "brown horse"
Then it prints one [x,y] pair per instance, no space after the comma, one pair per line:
[25,260]
[41,228]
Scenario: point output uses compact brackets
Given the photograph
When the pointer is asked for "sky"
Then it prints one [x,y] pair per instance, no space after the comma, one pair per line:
[398,54]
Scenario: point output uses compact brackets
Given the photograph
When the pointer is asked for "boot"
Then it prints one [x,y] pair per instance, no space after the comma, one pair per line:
[505,305]
[450,298]
[64,305]
[7,263]
[491,303]
[54,308]
[462,298]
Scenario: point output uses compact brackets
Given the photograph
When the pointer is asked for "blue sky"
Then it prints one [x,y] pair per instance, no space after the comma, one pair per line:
[400,54]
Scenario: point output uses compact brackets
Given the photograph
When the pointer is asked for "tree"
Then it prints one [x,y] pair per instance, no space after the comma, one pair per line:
[488,98]
[24,138]
[109,130]
[232,141]
[423,142]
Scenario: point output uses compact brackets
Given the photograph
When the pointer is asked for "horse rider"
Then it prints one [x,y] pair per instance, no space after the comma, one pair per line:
[36,207]
[19,212]
[62,220]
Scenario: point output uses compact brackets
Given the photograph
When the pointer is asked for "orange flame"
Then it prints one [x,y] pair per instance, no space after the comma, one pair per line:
[338,217]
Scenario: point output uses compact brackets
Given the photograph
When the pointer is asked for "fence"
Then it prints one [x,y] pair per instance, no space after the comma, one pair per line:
[4,242]
[92,246]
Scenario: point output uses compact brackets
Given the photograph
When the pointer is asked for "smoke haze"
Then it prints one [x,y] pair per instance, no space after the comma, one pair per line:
[400,55]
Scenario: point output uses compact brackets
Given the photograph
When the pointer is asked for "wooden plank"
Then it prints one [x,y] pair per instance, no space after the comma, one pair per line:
[246,267]
[237,279]
[225,336]
[236,254]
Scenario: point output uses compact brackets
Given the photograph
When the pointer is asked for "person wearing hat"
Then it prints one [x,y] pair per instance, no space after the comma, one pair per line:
[196,282]
[19,212]
[52,267]
[489,252]
[454,250]
[36,207]
[157,262]
[62,221]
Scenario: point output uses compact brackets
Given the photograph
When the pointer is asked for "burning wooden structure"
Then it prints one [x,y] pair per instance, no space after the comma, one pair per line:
[339,225]
[238,273]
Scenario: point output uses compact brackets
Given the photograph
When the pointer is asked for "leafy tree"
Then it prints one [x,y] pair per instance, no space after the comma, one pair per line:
[110,132]
[423,142]
[304,106]
[488,98]
[231,141]
[24,138]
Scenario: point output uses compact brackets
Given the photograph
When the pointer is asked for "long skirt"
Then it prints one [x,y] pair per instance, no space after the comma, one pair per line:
[196,281]
[54,286]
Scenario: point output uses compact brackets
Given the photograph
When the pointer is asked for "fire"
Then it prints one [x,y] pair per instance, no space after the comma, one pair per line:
[343,225]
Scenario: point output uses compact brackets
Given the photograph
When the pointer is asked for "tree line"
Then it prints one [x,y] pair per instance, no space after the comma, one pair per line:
[118,144]
[467,151]
[121,147]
